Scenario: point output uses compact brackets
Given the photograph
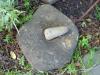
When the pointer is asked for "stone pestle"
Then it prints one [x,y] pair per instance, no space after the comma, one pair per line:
[53,32]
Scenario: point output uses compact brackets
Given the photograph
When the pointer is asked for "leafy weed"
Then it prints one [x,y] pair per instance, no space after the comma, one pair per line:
[98,12]
[9,15]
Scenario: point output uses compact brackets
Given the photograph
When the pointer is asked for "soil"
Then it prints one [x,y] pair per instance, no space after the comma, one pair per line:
[71,8]
[6,62]
[74,8]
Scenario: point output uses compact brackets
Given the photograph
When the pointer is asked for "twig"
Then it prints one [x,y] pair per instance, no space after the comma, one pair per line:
[16,27]
[86,13]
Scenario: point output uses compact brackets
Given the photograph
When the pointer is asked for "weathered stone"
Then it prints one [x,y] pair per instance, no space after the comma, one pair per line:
[95,59]
[95,68]
[42,54]
[49,1]
[95,71]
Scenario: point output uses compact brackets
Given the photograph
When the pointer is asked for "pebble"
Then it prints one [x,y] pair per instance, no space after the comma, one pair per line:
[13,55]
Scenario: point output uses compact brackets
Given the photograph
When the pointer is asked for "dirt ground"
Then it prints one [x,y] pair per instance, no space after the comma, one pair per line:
[74,8]
[71,8]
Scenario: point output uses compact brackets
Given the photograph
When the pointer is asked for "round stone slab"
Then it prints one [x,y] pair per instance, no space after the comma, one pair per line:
[46,55]
[49,1]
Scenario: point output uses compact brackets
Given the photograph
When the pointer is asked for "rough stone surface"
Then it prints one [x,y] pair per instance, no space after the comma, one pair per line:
[95,69]
[46,55]
[96,60]
[49,1]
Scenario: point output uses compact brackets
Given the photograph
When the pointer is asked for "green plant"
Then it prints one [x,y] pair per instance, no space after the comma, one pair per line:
[9,15]
[10,73]
[90,57]
[23,63]
[13,72]
[28,12]
[27,4]
[26,68]
[41,73]
[70,69]
[98,12]
[77,57]
[18,73]
[84,42]
[90,61]
[25,18]
[28,73]
[8,39]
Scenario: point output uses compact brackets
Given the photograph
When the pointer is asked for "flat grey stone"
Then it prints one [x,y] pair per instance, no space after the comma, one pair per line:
[46,55]
[96,59]
[93,71]
[95,68]
[49,1]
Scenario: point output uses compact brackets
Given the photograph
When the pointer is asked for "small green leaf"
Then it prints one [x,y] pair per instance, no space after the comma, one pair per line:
[8,38]
[22,61]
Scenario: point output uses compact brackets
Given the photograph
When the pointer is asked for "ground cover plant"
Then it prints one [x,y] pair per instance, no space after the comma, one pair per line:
[98,11]
[13,15]
[9,15]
